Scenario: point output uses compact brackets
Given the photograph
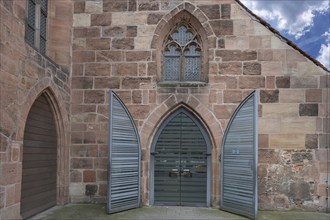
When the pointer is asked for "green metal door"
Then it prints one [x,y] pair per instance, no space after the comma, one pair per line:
[180,163]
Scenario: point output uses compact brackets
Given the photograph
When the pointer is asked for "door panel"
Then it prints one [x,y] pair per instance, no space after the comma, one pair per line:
[124,158]
[180,176]
[239,160]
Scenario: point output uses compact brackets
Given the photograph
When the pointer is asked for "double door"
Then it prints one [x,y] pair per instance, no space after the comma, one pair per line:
[180,157]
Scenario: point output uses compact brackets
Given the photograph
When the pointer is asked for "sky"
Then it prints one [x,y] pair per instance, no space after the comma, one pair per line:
[305,22]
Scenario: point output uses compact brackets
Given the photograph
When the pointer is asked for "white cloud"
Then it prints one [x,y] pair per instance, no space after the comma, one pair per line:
[296,17]
[324,53]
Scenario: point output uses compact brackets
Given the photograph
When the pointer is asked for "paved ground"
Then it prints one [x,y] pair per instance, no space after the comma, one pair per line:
[98,212]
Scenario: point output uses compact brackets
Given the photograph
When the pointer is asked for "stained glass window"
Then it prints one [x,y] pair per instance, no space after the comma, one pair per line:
[182,55]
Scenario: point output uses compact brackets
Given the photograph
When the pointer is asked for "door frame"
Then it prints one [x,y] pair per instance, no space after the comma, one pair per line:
[208,152]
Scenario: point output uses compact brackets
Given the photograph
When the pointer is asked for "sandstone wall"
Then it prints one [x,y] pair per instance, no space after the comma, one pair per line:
[116,46]
[24,75]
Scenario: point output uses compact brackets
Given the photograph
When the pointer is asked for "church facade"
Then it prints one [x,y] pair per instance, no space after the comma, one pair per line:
[168,77]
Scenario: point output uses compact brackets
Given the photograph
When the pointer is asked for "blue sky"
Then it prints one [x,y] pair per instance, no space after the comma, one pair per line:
[305,22]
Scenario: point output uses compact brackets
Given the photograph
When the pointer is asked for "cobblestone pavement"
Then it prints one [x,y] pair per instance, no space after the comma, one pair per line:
[98,212]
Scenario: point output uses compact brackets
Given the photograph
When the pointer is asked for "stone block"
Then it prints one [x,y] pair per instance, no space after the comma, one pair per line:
[75,176]
[90,189]
[116,31]
[97,69]
[236,55]
[10,173]
[232,96]
[299,191]
[79,7]
[211,11]
[124,69]
[82,163]
[225,11]
[301,125]
[148,5]
[94,96]
[137,97]
[131,31]
[115,6]
[107,83]
[286,141]
[109,56]
[292,96]
[93,7]
[251,82]
[263,54]
[311,141]
[138,56]
[270,82]
[139,111]
[230,68]
[131,19]
[224,111]
[263,141]
[269,96]
[303,82]
[295,55]
[269,125]
[123,43]
[308,109]
[142,43]
[154,18]
[222,27]
[280,110]
[313,95]
[221,43]
[83,56]
[81,20]
[89,176]
[271,68]
[251,68]
[236,43]
[82,83]
[104,19]
[283,81]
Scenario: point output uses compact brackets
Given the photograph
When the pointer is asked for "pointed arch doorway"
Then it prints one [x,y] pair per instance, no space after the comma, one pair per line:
[181,162]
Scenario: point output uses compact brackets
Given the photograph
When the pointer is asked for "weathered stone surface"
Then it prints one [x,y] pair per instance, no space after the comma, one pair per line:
[308,109]
[224,111]
[302,125]
[138,56]
[97,69]
[283,81]
[89,176]
[251,68]
[269,96]
[268,156]
[211,11]
[299,191]
[232,96]
[287,141]
[221,43]
[124,69]
[114,5]
[292,96]
[94,96]
[314,95]
[280,110]
[154,18]
[107,83]
[139,111]
[251,82]
[81,20]
[79,7]
[148,6]
[263,141]
[91,189]
[132,5]
[225,11]
[236,55]
[83,56]
[116,31]
[131,31]
[311,141]
[230,68]
[303,82]
[82,83]
[222,27]
[134,83]
[82,163]
[123,43]
[109,56]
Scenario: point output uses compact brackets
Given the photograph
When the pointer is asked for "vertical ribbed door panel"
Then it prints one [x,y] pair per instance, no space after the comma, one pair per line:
[239,160]
[124,158]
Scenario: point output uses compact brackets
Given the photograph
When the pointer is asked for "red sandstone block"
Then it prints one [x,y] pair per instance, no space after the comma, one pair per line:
[89,176]
[224,111]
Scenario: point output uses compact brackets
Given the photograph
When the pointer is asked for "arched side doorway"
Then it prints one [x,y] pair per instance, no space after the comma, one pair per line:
[181,162]
[39,166]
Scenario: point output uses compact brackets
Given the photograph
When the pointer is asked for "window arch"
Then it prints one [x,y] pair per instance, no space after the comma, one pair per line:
[182,51]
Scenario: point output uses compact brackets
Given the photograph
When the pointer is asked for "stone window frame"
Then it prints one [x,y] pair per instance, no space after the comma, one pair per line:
[162,31]
[33,23]
[169,41]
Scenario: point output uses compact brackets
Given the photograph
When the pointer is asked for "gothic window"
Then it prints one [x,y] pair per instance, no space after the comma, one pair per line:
[36,25]
[182,55]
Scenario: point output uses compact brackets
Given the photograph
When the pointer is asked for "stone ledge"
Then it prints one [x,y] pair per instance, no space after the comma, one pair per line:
[181,84]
